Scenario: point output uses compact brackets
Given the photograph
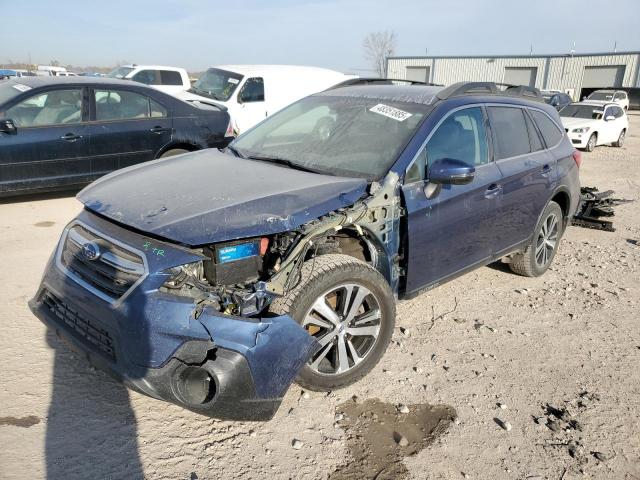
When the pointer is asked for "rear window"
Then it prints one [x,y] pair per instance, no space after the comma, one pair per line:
[550,131]
[510,130]
[169,77]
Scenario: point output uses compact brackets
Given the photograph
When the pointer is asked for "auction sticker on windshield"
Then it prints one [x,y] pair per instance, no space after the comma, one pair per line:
[21,87]
[391,112]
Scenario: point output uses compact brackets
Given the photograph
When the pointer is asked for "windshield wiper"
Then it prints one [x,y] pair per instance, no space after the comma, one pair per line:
[235,151]
[206,93]
[285,162]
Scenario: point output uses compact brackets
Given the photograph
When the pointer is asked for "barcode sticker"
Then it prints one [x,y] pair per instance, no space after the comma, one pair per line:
[391,112]
[21,87]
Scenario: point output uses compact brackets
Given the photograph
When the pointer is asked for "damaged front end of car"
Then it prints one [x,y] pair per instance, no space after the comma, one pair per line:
[192,325]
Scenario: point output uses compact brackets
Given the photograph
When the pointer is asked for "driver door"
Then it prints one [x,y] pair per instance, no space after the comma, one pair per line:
[453,230]
[252,107]
[50,148]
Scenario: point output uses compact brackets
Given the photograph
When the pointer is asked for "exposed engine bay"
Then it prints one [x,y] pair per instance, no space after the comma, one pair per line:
[242,277]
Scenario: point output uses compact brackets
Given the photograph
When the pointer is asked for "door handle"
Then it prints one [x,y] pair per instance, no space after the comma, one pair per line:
[493,191]
[158,129]
[70,137]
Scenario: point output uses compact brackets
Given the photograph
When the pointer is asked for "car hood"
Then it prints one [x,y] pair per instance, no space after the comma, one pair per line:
[208,196]
[572,122]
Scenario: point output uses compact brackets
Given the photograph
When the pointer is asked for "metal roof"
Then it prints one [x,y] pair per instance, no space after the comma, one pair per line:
[43,81]
[537,55]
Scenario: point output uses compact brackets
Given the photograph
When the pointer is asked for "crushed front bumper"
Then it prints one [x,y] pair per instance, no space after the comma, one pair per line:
[155,343]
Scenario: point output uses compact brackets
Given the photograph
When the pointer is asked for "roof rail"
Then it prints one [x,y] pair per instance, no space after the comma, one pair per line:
[490,88]
[380,81]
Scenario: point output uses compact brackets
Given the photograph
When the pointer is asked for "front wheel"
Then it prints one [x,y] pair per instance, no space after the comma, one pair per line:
[591,144]
[537,257]
[349,308]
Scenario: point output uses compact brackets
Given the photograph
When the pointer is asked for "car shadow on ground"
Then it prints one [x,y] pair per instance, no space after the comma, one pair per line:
[91,427]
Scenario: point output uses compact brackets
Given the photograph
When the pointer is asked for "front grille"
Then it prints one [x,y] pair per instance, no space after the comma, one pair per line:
[87,330]
[106,267]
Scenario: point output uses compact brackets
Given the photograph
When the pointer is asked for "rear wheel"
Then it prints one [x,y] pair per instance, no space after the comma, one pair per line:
[173,151]
[349,308]
[620,140]
[537,257]
[591,144]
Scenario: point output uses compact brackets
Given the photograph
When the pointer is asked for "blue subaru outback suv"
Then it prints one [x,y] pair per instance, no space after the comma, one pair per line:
[215,279]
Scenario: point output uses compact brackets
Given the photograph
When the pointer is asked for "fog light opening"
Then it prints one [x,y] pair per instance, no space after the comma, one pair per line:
[195,386]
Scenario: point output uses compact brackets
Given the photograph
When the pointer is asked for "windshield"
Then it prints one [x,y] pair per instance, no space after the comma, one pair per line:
[120,72]
[10,90]
[605,96]
[346,136]
[216,84]
[582,111]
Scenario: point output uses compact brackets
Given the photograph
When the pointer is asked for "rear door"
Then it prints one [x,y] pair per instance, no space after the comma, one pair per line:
[455,229]
[51,146]
[127,127]
[528,173]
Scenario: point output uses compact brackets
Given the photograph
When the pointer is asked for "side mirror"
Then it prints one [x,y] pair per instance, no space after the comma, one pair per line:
[8,126]
[608,118]
[449,171]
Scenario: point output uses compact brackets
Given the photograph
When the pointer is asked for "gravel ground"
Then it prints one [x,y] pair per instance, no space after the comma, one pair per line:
[542,373]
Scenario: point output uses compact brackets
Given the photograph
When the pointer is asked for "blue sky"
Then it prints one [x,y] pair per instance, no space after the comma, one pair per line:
[197,34]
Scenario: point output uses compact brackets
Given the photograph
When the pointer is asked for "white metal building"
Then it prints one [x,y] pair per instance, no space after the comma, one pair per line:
[570,73]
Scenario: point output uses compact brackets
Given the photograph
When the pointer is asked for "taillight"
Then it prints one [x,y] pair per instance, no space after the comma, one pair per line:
[577,157]
[229,132]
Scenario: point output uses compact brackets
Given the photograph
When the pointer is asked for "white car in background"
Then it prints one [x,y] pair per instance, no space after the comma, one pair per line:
[590,123]
[616,96]
[171,80]
[253,92]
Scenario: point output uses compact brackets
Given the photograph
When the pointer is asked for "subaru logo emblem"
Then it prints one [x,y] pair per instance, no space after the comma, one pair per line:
[91,251]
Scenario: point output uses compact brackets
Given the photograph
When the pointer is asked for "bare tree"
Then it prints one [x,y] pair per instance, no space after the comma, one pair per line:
[377,47]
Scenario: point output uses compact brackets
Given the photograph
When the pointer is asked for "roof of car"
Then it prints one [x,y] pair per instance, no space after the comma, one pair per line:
[250,69]
[393,93]
[595,103]
[44,81]
[152,67]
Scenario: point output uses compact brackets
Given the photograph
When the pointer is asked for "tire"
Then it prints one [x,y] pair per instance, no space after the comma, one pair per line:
[326,281]
[591,143]
[620,141]
[172,152]
[538,256]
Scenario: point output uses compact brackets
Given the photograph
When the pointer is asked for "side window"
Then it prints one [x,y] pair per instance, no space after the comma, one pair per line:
[124,105]
[169,77]
[608,112]
[534,138]
[55,107]
[148,77]
[550,131]
[462,136]
[618,112]
[157,110]
[510,129]
[252,91]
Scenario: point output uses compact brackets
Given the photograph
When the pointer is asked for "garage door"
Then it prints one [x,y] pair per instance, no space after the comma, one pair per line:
[598,77]
[418,74]
[521,76]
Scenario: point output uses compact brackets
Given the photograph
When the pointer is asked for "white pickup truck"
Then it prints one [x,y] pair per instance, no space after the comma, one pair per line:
[253,92]
[171,80]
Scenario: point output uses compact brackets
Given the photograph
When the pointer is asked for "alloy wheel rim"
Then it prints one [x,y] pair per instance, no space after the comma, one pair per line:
[547,240]
[621,139]
[592,143]
[346,322]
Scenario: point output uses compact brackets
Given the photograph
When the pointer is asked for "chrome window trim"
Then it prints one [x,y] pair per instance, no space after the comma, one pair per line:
[434,129]
[114,302]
